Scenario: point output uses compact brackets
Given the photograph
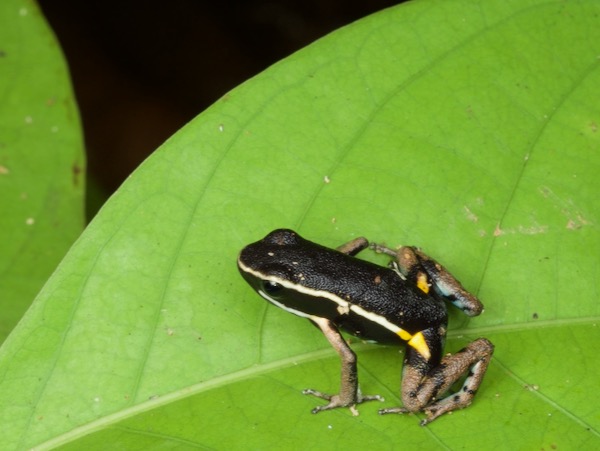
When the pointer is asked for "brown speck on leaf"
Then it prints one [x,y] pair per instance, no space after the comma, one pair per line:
[76,170]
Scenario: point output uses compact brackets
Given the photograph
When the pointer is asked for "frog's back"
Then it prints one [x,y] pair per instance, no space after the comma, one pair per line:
[380,296]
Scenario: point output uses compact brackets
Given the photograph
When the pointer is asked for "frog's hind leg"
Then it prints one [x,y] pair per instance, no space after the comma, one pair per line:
[423,384]
[425,272]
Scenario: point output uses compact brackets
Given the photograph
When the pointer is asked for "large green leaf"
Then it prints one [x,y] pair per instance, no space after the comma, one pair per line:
[466,127]
[41,159]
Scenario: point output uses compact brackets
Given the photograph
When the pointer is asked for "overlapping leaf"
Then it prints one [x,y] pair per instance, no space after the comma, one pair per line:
[41,159]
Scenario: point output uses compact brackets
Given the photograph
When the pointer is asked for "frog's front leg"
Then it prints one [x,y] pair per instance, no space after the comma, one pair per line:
[350,394]
[353,247]
[423,382]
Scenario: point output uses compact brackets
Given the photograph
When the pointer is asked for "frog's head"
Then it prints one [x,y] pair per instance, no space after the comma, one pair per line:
[281,268]
[270,259]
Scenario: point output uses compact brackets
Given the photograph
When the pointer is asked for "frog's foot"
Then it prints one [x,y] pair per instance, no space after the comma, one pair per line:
[447,405]
[336,401]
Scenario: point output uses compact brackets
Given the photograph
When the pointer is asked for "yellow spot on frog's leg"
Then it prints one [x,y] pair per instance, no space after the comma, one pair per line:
[422,283]
[418,342]
[404,335]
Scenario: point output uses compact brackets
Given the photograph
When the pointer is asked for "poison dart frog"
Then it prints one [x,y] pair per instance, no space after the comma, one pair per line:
[402,303]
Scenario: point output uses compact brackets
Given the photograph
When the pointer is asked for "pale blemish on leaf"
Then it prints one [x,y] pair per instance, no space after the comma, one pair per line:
[521,229]
[470,215]
[575,218]
[577,223]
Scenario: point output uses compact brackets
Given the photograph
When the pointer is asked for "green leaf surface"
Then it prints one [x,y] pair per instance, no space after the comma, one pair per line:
[41,159]
[468,128]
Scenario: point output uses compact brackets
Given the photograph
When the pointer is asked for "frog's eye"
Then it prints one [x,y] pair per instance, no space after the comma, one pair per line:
[271,287]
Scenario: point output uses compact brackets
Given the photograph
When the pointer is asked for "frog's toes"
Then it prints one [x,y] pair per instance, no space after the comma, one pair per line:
[336,401]
[318,394]
[365,398]
[397,410]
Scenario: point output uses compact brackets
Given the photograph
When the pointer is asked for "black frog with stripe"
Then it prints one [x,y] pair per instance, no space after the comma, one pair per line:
[403,304]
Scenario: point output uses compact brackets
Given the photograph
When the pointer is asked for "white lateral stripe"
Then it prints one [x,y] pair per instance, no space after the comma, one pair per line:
[284,307]
[374,317]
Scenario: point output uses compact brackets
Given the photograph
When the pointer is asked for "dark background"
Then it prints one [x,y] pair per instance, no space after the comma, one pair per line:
[142,69]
